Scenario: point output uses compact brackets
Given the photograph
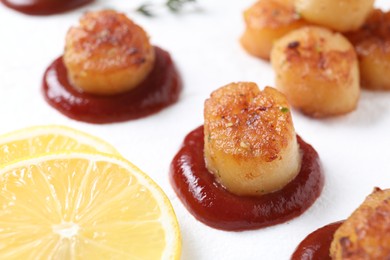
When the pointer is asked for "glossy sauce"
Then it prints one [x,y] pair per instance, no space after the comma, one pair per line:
[44,7]
[160,89]
[317,244]
[213,205]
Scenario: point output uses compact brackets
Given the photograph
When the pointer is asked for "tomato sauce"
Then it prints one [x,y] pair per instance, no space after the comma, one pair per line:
[44,7]
[160,89]
[213,205]
[317,244]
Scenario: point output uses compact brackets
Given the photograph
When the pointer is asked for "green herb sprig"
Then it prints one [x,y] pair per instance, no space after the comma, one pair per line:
[177,5]
[174,6]
[145,9]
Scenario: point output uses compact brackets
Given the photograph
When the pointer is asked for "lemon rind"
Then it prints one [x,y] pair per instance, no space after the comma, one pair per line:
[80,136]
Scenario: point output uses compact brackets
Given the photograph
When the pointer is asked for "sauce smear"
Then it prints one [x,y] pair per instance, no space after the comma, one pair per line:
[160,89]
[44,7]
[213,205]
[317,244]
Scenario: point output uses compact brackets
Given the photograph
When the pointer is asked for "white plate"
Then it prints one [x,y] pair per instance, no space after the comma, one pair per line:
[353,148]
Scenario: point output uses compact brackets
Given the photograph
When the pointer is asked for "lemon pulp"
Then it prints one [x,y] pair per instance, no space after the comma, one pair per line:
[84,206]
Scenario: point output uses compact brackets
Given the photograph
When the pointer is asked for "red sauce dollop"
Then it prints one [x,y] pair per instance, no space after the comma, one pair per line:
[44,7]
[160,89]
[213,205]
[317,244]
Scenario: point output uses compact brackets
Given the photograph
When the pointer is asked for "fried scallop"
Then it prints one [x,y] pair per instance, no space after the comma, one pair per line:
[339,15]
[107,53]
[366,233]
[266,21]
[372,44]
[250,141]
[318,71]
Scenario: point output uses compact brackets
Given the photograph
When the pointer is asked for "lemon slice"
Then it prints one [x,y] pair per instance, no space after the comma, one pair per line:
[84,206]
[45,139]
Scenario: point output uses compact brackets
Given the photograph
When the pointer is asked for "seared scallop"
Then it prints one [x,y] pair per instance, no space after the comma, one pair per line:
[372,44]
[339,15]
[317,70]
[366,233]
[107,53]
[266,21]
[250,141]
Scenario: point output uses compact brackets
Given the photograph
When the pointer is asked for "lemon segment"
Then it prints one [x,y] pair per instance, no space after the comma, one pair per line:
[45,139]
[84,206]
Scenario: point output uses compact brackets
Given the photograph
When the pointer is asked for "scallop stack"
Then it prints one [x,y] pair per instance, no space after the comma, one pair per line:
[322,51]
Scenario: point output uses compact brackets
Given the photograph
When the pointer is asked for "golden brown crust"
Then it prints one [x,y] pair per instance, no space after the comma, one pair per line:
[106,41]
[372,43]
[317,70]
[266,21]
[245,122]
[338,15]
[270,14]
[314,56]
[107,53]
[366,233]
[374,34]
[250,143]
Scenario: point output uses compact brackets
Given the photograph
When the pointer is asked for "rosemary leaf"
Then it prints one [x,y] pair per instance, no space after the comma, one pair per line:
[145,10]
[174,6]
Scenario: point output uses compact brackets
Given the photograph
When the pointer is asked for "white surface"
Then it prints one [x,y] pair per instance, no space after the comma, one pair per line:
[353,148]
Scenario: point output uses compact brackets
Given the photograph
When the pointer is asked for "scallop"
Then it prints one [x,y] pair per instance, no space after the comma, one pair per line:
[317,70]
[339,15]
[366,233]
[372,44]
[250,141]
[266,21]
[107,53]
